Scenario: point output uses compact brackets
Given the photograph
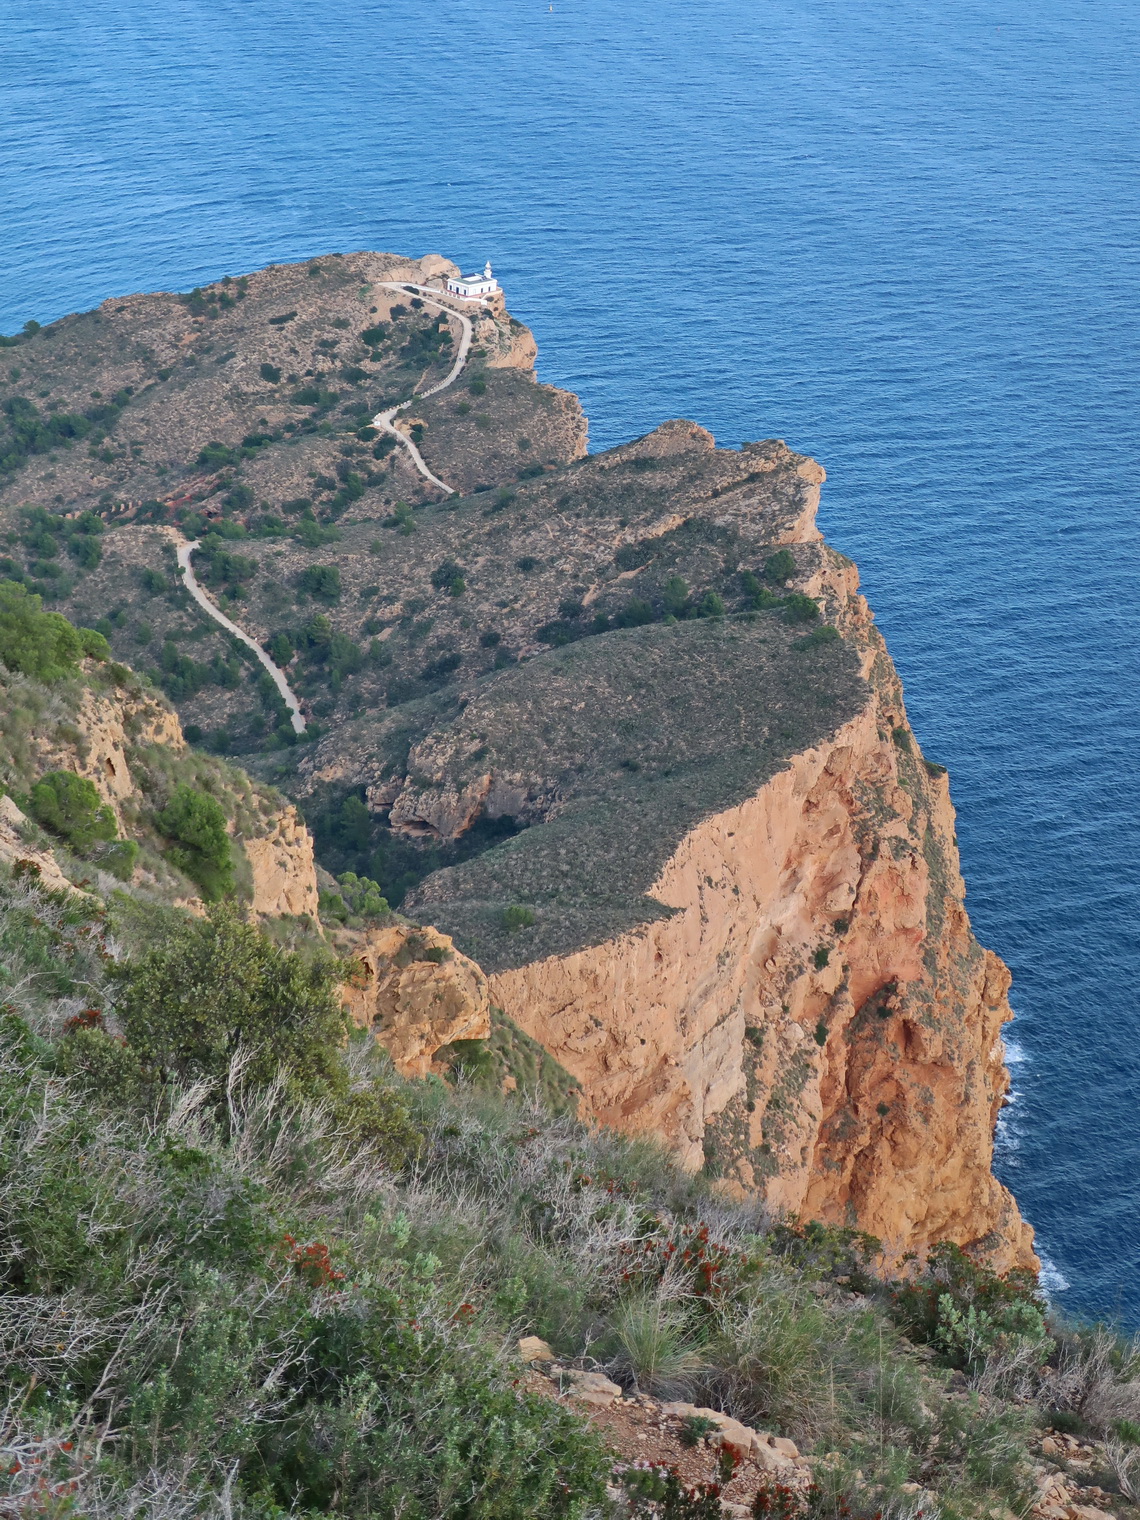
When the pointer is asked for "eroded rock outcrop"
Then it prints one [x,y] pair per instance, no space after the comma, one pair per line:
[281,863]
[747,932]
[814,1020]
[415,991]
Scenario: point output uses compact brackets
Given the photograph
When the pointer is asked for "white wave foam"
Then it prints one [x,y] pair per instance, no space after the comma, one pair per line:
[1053,1280]
[1014,1053]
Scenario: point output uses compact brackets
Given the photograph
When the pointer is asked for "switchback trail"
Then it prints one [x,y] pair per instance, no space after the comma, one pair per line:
[384,420]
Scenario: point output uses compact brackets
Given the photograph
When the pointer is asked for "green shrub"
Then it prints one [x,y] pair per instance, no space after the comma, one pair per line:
[43,645]
[821,957]
[712,605]
[70,807]
[659,1493]
[799,608]
[634,614]
[695,1428]
[118,858]
[196,824]
[271,373]
[321,582]
[818,638]
[379,1117]
[217,986]
[779,567]
[280,648]
[966,1310]
[362,896]
[675,595]
[216,456]
[447,576]
[517,917]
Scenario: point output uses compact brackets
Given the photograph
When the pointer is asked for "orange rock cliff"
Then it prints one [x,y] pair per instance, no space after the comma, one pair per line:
[814,1022]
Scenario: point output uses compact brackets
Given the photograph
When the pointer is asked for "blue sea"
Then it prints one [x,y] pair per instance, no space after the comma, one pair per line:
[901,234]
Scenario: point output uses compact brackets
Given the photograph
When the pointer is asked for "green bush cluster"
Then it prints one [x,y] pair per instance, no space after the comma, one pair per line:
[321,582]
[219,567]
[181,676]
[25,431]
[217,989]
[358,899]
[43,645]
[70,807]
[195,823]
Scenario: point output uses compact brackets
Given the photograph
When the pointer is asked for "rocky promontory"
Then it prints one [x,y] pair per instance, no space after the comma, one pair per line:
[617,728]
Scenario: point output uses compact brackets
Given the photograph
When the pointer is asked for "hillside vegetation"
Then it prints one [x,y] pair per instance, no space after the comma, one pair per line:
[246,1271]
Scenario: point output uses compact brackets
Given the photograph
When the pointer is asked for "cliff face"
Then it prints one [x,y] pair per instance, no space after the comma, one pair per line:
[807,1013]
[415,992]
[815,1021]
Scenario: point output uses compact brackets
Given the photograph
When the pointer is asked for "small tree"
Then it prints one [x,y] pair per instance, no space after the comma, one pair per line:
[321,582]
[675,595]
[219,985]
[799,608]
[43,645]
[70,806]
[197,825]
[779,567]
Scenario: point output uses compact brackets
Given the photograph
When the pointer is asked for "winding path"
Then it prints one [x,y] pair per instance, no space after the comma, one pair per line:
[383,421]
[184,550]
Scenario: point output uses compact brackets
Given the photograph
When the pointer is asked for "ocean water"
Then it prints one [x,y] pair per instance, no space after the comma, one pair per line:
[902,234]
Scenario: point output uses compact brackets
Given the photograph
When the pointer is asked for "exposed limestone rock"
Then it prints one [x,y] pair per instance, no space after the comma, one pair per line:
[434,265]
[284,875]
[815,1018]
[591,1388]
[532,1348]
[14,852]
[105,727]
[415,991]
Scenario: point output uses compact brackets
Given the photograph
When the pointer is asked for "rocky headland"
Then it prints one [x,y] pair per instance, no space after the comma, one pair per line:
[615,732]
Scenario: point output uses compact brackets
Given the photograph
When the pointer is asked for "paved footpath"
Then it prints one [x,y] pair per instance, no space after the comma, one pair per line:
[384,421]
[185,550]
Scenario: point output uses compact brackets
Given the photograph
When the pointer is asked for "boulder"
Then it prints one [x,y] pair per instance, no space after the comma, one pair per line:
[592,1388]
[533,1348]
[772,1460]
[740,1440]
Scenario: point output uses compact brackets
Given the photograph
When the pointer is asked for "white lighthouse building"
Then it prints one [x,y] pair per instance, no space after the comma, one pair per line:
[474,287]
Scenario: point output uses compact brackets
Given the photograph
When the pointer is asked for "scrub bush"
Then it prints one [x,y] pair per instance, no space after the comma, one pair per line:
[196,825]
[43,645]
[70,807]
[216,990]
